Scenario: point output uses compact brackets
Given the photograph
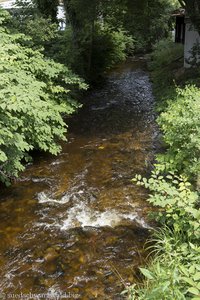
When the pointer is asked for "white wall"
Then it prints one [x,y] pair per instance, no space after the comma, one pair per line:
[7,4]
[191,38]
[61,17]
[61,12]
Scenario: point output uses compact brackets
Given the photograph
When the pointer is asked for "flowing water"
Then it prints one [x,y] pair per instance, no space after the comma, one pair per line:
[74,225]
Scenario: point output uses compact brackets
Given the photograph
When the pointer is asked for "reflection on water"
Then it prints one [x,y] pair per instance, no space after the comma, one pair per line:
[75,223]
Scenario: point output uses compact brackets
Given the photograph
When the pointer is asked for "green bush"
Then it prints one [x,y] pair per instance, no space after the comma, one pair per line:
[166,58]
[165,52]
[174,272]
[177,201]
[41,31]
[27,19]
[180,124]
[91,57]
[148,21]
[110,48]
[90,47]
[34,96]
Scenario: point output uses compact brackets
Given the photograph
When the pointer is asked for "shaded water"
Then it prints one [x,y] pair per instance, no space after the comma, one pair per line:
[75,224]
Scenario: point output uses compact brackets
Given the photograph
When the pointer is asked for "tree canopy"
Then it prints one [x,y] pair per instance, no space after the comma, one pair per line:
[35,90]
[48,8]
[34,96]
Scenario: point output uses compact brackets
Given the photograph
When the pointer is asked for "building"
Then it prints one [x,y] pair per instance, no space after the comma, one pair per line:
[180,26]
[9,4]
[192,39]
[186,34]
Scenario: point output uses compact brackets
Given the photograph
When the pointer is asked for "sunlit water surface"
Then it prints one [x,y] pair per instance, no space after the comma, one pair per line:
[75,223]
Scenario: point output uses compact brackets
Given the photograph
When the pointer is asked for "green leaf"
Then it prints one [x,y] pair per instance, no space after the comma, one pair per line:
[194,291]
[34,99]
[147,273]
[196,277]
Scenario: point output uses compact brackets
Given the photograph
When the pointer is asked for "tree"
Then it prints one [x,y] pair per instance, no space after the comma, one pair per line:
[81,16]
[98,39]
[148,21]
[48,8]
[31,8]
[35,94]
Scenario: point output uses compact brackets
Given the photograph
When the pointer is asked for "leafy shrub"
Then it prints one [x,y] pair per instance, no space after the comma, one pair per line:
[165,52]
[88,50]
[167,57]
[173,274]
[41,31]
[62,49]
[178,203]
[34,94]
[194,55]
[91,57]
[110,47]
[148,21]
[27,19]
[180,124]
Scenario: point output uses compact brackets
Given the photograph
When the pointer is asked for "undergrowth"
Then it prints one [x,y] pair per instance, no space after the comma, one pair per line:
[174,270]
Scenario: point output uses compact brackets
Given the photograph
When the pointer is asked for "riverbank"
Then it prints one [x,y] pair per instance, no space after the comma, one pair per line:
[174,272]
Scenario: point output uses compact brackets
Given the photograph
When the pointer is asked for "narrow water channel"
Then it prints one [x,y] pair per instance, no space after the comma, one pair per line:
[75,224]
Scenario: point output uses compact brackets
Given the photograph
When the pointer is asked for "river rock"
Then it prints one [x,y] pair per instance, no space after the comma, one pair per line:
[51,254]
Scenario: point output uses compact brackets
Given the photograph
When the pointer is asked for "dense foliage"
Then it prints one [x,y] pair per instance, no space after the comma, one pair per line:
[89,45]
[108,48]
[34,95]
[148,21]
[123,27]
[166,59]
[174,273]
[48,8]
[95,43]
[179,106]
[99,33]
[27,19]
[180,124]
[35,91]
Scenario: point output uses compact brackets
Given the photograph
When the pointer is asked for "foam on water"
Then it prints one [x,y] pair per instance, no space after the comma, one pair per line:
[82,216]
[44,198]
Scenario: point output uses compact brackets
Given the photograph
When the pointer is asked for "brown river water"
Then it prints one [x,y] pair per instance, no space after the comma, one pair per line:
[74,226]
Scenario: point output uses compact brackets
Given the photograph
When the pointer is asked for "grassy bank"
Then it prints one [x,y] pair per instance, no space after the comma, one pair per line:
[174,271]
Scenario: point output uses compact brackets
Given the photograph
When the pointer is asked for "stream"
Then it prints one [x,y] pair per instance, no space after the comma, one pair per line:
[74,226]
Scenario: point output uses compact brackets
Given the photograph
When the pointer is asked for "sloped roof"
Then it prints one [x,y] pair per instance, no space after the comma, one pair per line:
[178,12]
